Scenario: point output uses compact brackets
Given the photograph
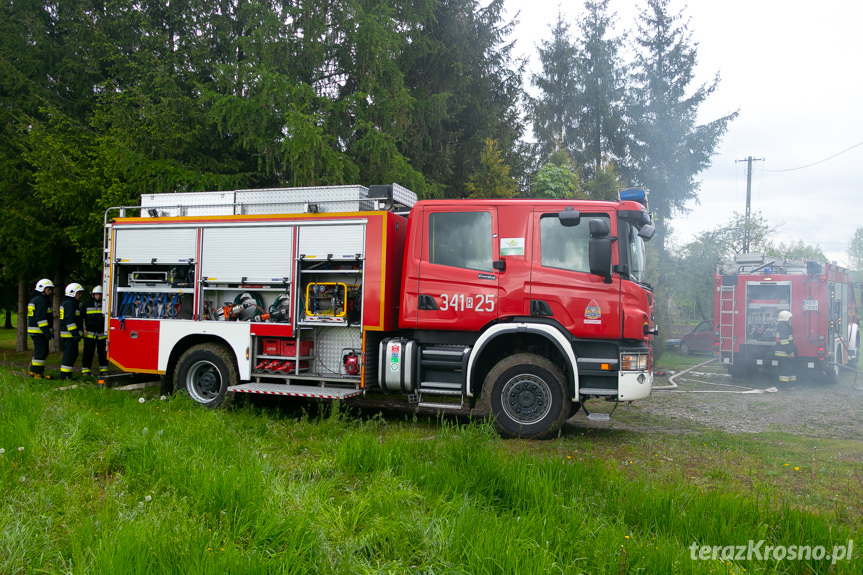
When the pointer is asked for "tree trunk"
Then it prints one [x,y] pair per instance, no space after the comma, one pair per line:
[21,333]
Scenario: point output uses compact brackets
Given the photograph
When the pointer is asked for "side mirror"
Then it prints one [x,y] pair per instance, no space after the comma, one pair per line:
[599,248]
[646,232]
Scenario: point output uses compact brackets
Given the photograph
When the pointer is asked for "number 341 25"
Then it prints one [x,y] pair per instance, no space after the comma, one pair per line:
[461,302]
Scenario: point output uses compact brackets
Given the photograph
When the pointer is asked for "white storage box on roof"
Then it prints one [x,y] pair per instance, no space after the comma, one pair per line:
[188,204]
[273,201]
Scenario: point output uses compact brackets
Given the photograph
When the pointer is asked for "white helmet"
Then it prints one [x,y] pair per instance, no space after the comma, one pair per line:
[784,315]
[72,289]
[97,289]
[44,283]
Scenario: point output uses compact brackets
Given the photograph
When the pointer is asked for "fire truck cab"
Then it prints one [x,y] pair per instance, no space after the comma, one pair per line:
[531,307]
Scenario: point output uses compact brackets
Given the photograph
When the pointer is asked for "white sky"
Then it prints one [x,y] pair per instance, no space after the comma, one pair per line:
[794,71]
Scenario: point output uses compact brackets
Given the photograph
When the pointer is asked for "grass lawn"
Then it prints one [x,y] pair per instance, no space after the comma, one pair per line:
[106,481]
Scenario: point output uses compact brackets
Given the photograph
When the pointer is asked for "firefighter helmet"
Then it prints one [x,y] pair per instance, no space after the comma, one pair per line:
[44,283]
[97,289]
[784,315]
[72,289]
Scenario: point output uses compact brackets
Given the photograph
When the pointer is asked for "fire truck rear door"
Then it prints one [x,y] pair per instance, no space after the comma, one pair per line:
[458,284]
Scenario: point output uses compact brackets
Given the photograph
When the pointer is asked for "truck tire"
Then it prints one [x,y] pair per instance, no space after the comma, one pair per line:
[684,348]
[204,373]
[831,374]
[525,395]
[741,372]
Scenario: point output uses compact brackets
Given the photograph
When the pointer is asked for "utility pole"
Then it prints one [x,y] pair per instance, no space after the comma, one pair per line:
[748,161]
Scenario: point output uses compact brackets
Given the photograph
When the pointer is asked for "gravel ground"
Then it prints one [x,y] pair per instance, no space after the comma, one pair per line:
[706,398]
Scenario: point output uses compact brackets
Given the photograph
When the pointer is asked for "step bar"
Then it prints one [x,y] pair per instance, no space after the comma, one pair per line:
[297,390]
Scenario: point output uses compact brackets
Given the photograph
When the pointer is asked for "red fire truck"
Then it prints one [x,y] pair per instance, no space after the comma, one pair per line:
[531,306]
[754,288]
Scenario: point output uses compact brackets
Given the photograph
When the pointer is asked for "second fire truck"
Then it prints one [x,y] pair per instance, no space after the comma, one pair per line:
[523,308]
[750,293]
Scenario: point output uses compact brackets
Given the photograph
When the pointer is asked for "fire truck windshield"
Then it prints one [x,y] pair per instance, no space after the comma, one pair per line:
[637,270]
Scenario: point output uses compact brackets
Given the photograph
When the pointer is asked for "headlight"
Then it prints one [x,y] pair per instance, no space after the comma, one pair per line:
[633,362]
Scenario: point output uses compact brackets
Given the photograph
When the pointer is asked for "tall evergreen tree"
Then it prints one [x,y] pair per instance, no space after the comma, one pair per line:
[669,148]
[104,102]
[467,87]
[553,113]
[599,118]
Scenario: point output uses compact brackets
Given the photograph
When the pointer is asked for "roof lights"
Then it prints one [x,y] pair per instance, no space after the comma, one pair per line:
[634,195]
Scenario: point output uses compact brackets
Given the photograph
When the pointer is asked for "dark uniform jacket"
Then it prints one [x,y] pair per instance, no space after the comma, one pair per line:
[94,320]
[40,317]
[784,340]
[71,324]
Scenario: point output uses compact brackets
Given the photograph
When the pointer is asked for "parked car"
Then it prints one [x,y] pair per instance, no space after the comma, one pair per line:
[702,339]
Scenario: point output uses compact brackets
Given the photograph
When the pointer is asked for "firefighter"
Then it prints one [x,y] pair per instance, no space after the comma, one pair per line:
[71,328]
[39,326]
[94,334]
[785,349]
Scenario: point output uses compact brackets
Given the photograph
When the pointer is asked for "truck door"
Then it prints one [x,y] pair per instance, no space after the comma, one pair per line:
[458,284]
[561,285]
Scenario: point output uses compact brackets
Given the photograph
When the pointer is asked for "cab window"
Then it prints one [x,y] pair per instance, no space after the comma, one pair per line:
[461,239]
[565,247]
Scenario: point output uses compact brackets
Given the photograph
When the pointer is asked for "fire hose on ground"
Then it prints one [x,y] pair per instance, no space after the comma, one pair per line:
[672,385]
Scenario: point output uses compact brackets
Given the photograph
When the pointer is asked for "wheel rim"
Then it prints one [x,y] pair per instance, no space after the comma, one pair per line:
[526,399]
[204,382]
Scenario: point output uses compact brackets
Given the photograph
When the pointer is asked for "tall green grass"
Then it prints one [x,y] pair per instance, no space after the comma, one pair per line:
[106,484]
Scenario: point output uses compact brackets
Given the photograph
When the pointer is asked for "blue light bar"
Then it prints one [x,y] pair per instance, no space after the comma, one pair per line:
[633,195]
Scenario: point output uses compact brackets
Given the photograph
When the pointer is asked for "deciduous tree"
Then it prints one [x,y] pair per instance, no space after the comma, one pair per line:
[855,250]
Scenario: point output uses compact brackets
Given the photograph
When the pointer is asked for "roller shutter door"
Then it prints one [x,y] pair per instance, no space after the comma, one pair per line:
[259,254]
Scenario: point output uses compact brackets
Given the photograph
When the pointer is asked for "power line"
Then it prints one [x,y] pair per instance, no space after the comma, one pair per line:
[819,161]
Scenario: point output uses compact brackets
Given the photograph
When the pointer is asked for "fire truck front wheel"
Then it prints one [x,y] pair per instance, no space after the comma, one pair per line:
[204,372]
[525,394]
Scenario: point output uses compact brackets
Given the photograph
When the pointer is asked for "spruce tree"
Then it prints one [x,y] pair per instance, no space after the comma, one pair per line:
[669,148]
[598,115]
[553,112]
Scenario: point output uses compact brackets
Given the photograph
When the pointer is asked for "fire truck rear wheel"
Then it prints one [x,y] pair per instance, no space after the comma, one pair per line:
[831,374]
[525,394]
[204,372]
